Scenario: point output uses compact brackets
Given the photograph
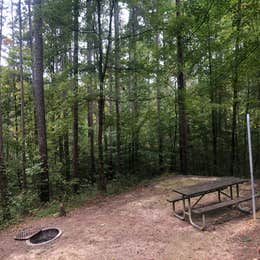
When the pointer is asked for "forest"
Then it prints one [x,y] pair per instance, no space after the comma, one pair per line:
[101,94]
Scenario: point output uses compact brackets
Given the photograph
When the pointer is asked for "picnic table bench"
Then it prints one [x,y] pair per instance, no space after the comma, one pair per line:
[198,191]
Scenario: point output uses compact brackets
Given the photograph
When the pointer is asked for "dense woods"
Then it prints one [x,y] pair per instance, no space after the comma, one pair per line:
[102,93]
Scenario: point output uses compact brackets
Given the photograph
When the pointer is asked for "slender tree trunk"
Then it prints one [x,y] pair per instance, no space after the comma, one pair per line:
[66,155]
[61,150]
[102,67]
[39,101]
[22,97]
[258,120]
[75,90]
[31,51]
[117,88]
[213,100]
[91,137]
[8,123]
[183,135]
[101,103]
[235,93]
[173,134]
[18,173]
[90,60]
[3,175]
[158,101]
[245,152]
[110,150]
[133,88]
[65,136]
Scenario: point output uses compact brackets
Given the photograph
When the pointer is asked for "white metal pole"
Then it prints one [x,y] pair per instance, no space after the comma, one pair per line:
[251,165]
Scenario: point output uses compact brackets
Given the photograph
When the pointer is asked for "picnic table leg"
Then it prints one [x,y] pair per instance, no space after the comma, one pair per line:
[219,198]
[191,221]
[177,215]
[231,191]
[237,188]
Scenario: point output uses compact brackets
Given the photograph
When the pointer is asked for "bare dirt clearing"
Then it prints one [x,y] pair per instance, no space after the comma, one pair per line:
[139,225]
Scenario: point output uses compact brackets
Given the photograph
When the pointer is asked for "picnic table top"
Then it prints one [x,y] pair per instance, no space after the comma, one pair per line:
[209,186]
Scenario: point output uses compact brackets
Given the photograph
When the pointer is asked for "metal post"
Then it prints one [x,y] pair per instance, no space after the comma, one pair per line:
[251,165]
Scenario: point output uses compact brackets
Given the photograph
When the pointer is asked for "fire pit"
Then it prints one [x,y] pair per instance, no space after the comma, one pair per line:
[45,236]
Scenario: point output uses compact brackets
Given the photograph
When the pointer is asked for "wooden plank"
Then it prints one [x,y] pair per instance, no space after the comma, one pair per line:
[222,204]
[178,198]
[207,187]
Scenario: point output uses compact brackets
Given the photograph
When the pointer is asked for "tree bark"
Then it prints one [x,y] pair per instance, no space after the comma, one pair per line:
[110,139]
[158,101]
[213,101]
[66,155]
[101,103]
[258,120]
[31,51]
[3,175]
[235,92]
[22,96]
[183,135]
[90,57]
[102,67]
[18,173]
[39,101]
[173,134]
[133,89]
[75,91]
[117,87]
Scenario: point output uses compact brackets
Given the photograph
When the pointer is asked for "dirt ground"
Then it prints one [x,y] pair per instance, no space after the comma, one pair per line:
[139,224]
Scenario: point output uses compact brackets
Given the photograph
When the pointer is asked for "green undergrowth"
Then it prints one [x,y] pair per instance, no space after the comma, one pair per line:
[25,205]
[52,208]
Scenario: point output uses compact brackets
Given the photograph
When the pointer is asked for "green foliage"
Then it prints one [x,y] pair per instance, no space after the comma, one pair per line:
[147,79]
[23,203]
[34,171]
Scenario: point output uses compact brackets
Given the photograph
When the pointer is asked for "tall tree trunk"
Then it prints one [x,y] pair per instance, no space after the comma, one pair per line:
[75,90]
[39,101]
[3,174]
[245,150]
[133,88]
[101,104]
[90,57]
[158,101]
[66,155]
[65,137]
[183,135]
[18,173]
[173,134]
[258,120]
[117,88]
[110,139]
[213,100]
[235,92]
[8,122]
[102,67]
[31,51]
[22,97]
[91,137]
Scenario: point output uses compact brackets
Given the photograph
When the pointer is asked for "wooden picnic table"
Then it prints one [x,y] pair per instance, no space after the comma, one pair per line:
[223,186]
